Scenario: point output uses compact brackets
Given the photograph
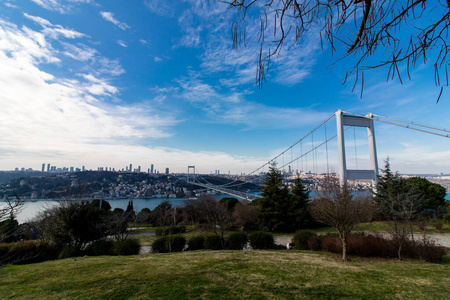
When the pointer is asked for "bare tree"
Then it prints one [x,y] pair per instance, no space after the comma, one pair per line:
[10,207]
[405,32]
[246,215]
[337,207]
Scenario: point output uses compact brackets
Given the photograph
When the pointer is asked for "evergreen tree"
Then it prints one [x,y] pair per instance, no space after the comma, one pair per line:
[275,201]
[298,213]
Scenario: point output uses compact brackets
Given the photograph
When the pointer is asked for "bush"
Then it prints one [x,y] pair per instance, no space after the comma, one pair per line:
[315,243]
[213,242]
[160,245]
[237,241]
[261,240]
[70,251]
[26,252]
[127,247]
[101,247]
[170,230]
[196,243]
[301,238]
[177,243]
[332,244]
[429,251]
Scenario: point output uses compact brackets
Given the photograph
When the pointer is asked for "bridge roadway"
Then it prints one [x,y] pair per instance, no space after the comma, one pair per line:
[223,190]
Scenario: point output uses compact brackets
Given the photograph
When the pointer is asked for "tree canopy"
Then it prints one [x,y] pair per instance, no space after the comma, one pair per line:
[398,32]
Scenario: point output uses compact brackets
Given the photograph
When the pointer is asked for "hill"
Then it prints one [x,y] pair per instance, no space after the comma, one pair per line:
[226,275]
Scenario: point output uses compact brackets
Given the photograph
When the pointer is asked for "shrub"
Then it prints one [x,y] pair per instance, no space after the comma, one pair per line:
[160,245]
[261,240]
[170,230]
[301,238]
[26,252]
[237,241]
[177,243]
[70,251]
[127,247]
[213,242]
[196,243]
[315,243]
[101,247]
[332,244]
[429,251]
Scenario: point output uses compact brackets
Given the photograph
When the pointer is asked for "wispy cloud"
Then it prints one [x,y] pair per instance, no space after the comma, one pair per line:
[160,7]
[62,7]
[54,31]
[122,43]
[109,16]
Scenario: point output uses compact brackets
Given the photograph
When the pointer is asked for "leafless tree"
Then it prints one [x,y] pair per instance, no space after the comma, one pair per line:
[403,32]
[10,207]
[245,215]
[337,207]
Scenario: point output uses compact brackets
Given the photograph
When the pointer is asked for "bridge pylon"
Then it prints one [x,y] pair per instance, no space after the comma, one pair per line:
[189,174]
[357,121]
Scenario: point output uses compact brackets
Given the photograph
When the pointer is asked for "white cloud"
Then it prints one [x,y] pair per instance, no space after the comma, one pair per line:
[158,59]
[122,43]
[62,7]
[54,31]
[80,52]
[10,5]
[109,16]
[160,7]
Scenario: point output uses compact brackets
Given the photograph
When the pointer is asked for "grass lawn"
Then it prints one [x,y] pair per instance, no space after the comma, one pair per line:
[226,275]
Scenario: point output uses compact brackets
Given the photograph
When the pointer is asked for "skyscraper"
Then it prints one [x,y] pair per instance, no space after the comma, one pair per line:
[48,167]
[167,171]
[43,167]
[151,169]
[131,168]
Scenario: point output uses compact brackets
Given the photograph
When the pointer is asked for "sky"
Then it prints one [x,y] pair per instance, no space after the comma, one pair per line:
[111,83]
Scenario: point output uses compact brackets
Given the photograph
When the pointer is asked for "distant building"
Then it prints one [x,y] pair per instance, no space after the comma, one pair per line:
[43,167]
[131,168]
[167,171]
[151,169]
[48,167]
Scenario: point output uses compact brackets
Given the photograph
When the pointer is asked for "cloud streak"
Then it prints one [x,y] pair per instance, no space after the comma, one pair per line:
[109,16]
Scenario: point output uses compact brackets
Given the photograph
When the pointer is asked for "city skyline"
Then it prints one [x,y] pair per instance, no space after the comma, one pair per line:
[113,84]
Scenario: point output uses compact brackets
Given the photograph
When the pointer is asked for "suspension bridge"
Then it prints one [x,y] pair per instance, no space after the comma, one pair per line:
[313,150]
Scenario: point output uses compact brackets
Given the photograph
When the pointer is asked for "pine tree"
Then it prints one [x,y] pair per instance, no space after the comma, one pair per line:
[298,213]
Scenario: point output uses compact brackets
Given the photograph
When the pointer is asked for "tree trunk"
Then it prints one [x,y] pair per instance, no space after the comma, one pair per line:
[344,246]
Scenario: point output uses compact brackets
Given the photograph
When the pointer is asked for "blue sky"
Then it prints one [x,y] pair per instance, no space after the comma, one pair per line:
[109,83]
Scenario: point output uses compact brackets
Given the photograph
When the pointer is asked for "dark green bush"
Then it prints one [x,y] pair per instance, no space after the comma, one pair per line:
[177,243]
[261,240]
[301,238]
[127,247]
[213,242]
[70,251]
[27,252]
[101,247]
[170,230]
[196,243]
[237,241]
[160,245]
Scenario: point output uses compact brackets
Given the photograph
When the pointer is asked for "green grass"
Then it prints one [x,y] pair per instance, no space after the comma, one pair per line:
[226,275]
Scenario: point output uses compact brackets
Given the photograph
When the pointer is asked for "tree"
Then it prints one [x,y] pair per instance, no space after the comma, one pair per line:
[275,201]
[299,212]
[399,202]
[337,207]
[433,193]
[229,202]
[245,215]
[403,32]
[10,207]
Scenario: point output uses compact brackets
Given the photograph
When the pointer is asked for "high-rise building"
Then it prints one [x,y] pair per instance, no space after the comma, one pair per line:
[43,167]
[48,167]
[131,168]
[139,169]
[83,168]
[167,171]
[151,169]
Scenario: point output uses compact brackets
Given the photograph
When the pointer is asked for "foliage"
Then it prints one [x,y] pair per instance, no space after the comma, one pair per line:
[160,245]
[400,202]
[236,241]
[10,207]
[8,229]
[127,247]
[176,243]
[144,216]
[337,207]
[26,252]
[104,204]
[213,242]
[298,214]
[74,224]
[100,247]
[229,202]
[170,230]
[301,238]
[261,240]
[275,202]
[433,193]
[369,245]
[245,215]
[196,243]
[401,31]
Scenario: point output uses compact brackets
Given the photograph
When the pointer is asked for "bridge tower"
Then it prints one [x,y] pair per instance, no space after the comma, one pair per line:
[348,120]
[189,174]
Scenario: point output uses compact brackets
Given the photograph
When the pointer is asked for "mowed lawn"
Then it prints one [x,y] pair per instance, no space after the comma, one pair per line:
[227,275]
